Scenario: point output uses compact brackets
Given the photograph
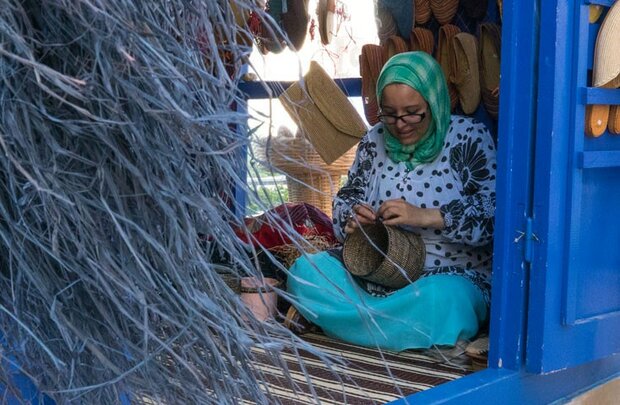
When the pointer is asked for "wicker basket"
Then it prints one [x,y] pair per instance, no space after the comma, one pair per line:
[377,253]
[308,177]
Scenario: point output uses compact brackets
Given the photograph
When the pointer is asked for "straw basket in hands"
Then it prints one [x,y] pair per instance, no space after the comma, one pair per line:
[308,177]
[385,255]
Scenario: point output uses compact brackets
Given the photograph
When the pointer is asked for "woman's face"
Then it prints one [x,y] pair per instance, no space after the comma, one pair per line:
[398,100]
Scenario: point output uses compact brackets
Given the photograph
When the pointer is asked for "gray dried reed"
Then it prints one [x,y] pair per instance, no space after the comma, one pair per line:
[120,149]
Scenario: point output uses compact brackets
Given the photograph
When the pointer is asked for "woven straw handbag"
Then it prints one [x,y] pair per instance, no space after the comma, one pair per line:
[384,255]
[323,113]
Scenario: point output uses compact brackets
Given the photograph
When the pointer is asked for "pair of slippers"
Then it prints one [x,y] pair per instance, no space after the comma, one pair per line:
[445,10]
[297,324]
[605,72]
[478,352]
[399,17]
[471,67]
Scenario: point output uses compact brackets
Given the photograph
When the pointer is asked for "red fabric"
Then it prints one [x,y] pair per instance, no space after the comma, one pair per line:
[270,229]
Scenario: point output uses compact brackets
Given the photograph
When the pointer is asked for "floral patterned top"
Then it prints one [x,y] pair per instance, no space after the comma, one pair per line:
[460,182]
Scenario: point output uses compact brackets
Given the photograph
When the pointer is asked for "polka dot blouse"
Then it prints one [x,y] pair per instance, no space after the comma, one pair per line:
[460,182]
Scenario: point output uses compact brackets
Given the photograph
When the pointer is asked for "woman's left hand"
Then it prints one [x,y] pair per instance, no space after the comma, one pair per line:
[400,212]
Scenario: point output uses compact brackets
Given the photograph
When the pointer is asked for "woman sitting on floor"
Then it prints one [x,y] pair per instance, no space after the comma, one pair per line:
[427,172]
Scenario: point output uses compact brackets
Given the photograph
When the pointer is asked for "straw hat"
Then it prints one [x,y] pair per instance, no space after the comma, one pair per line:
[324,113]
[326,11]
[606,66]
[465,73]
[384,255]
[371,62]
[295,22]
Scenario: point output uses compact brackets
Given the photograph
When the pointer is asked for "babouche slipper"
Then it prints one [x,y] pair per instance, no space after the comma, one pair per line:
[446,32]
[386,25]
[478,351]
[444,10]
[614,120]
[422,11]
[422,39]
[490,43]
[371,62]
[465,73]
[295,22]
[326,12]
[393,46]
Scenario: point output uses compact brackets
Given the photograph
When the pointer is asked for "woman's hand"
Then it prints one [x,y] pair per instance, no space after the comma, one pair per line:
[400,212]
[361,214]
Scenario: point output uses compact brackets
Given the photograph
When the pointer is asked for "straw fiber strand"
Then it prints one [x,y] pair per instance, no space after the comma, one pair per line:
[117,213]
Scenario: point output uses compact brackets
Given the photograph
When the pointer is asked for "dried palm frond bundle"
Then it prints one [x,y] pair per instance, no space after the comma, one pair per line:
[119,157]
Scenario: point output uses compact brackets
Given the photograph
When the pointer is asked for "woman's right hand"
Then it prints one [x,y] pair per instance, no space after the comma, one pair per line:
[361,214]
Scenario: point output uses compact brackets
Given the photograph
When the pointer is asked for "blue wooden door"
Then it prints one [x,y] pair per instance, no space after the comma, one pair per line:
[574,302]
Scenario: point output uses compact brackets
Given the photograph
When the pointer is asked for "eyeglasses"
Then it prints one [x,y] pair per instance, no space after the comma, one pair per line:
[412,118]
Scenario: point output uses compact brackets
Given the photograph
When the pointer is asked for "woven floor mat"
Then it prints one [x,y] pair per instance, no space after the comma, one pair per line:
[366,376]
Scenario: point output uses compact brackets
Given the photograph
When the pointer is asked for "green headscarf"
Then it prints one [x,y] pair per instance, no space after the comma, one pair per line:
[421,72]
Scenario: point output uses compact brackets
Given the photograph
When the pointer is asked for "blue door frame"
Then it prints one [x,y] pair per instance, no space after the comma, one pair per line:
[521,295]
[545,48]
[574,311]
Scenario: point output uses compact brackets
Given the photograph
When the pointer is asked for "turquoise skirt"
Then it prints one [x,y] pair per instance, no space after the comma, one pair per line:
[434,310]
